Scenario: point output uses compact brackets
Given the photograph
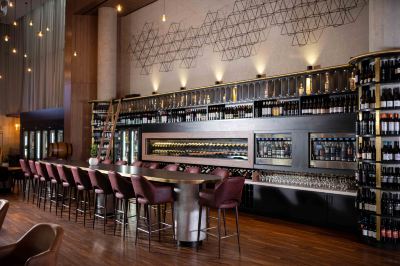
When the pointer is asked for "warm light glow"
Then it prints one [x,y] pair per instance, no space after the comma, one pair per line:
[47,29]
[75,53]
[6,38]
[31,23]
[156,83]
[14,50]
[25,55]
[311,55]
[119,8]
[40,34]
[29,69]
[15,23]
[17,126]
[308,85]
[164,18]
[10,4]
[1,76]
[183,76]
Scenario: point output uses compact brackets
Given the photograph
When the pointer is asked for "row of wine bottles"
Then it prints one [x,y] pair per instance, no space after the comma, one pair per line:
[390,98]
[276,108]
[389,71]
[390,202]
[389,229]
[390,176]
[329,105]
[389,124]
[333,149]
[390,150]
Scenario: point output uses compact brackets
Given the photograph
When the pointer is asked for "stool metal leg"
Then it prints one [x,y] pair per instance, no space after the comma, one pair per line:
[237,226]
[199,227]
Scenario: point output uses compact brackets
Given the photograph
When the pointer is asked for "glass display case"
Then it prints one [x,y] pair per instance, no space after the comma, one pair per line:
[127,144]
[26,144]
[336,151]
[232,148]
[273,149]
[45,143]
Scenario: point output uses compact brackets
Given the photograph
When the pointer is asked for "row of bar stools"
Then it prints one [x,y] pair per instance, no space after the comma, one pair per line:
[123,193]
[84,186]
[68,187]
[28,178]
[102,187]
[35,182]
[55,183]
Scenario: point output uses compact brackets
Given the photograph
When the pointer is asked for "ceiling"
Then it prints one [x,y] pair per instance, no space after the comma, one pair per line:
[87,7]
[128,6]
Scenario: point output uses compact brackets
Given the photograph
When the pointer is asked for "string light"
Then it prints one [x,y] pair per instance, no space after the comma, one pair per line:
[10,4]
[40,34]
[75,53]
[14,50]
[25,55]
[164,17]
[31,23]
[29,69]
[119,8]
[6,38]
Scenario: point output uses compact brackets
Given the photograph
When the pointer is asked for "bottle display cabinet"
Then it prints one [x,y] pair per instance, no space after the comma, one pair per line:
[208,148]
[273,149]
[333,150]
[378,131]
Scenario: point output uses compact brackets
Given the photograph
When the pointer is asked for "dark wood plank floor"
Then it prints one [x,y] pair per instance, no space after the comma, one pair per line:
[265,241]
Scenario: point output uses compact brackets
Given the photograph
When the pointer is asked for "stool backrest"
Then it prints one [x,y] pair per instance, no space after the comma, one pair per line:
[81,177]
[230,189]
[143,188]
[65,174]
[52,172]
[119,184]
[25,168]
[32,167]
[107,161]
[171,167]
[41,170]
[100,181]
[192,170]
[151,165]
[121,162]
[137,164]
[224,173]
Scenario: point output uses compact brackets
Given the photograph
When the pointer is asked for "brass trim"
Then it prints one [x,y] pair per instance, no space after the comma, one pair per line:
[377,67]
[378,228]
[377,97]
[378,147]
[378,172]
[373,54]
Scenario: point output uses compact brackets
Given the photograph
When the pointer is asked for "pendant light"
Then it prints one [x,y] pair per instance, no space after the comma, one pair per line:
[15,23]
[40,33]
[75,54]
[30,15]
[164,17]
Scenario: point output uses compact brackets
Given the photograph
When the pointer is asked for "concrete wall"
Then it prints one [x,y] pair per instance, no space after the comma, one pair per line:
[275,56]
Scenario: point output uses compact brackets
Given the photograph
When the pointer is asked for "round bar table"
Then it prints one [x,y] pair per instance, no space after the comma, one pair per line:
[187,186]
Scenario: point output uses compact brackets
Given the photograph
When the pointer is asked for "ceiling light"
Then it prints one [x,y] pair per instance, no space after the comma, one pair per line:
[14,50]
[29,69]
[6,38]
[47,29]
[40,34]
[119,8]
[1,77]
[25,55]
[164,18]
[75,53]
[15,23]
[31,23]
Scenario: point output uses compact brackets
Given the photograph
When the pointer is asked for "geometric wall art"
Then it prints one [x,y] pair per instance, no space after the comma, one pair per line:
[237,34]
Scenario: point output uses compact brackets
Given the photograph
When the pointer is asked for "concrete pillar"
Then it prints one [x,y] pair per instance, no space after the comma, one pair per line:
[107,54]
[384,24]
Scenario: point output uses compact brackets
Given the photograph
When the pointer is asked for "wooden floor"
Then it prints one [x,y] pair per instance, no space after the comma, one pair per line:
[264,241]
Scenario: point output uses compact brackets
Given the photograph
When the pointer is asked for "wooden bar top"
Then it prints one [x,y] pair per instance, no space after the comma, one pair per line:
[157,175]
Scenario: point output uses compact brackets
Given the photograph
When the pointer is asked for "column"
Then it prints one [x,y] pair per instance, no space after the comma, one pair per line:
[384,24]
[107,54]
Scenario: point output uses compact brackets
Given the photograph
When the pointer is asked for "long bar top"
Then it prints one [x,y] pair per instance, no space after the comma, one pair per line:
[157,175]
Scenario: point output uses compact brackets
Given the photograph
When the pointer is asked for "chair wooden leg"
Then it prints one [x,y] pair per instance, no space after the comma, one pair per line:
[45,195]
[199,227]
[125,217]
[70,201]
[85,200]
[237,226]
[56,199]
[149,223]
[137,220]
[219,233]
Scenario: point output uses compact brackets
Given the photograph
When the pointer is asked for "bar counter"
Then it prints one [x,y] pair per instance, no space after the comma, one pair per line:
[186,185]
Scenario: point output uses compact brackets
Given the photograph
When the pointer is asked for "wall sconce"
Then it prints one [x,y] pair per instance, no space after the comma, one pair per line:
[218,82]
[183,88]
[261,76]
[17,126]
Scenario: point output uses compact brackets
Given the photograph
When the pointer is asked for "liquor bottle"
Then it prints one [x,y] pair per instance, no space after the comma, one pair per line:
[397,69]
[389,98]
[396,98]
[383,230]
[384,124]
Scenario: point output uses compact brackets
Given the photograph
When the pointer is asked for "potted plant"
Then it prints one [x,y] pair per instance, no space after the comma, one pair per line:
[93,160]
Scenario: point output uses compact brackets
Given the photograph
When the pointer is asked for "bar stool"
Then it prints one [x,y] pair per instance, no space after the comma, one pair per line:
[28,178]
[137,164]
[83,186]
[224,173]
[149,195]
[151,165]
[44,181]
[107,161]
[123,193]
[102,186]
[226,195]
[192,170]
[68,186]
[121,162]
[55,182]
[171,167]
[35,181]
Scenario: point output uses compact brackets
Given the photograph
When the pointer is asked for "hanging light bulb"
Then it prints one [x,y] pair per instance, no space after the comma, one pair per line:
[47,29]
[14,50]
[10,4]
[15,23]
[1,76]
[40,34]
[29,69]
[75,53]
[6,38]
[31,23]
[119,8]
[164,18]
[25,55]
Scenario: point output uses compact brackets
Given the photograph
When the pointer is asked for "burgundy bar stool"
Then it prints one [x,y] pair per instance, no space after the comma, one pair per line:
[35,181]
[121,162]
[102,186]
[137,164]
[192,170]
[224,173]
[28,178]
[44,181]
[151,165]
[171,167]
[149,195]
[55,183]
[68,186]
[123,193]
[83,186]
[226,195]
[107,161]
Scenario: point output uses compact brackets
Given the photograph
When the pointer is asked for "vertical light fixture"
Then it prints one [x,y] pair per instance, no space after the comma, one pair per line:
[164,17]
